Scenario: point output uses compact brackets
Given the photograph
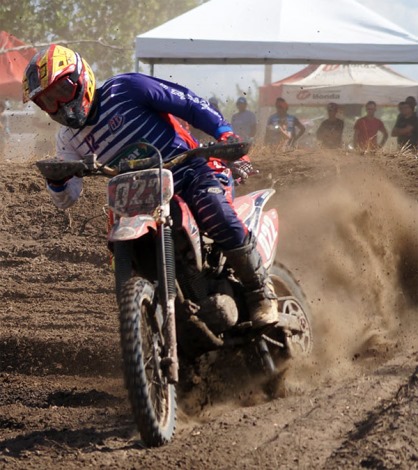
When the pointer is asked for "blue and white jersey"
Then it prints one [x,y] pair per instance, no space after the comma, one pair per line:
[288,121]
[134,107]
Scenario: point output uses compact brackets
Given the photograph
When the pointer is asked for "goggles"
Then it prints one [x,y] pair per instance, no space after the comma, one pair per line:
[60,92]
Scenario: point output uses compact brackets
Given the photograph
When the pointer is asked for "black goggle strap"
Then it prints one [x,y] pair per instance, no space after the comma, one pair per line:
[74,76]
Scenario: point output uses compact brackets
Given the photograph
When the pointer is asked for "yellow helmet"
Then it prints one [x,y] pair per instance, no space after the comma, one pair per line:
[61,83]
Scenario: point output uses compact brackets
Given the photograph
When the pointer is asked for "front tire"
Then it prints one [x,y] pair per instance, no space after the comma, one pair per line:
[152,398]
[123,256]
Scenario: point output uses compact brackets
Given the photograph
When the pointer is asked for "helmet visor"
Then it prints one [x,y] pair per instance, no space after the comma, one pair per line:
[60,92]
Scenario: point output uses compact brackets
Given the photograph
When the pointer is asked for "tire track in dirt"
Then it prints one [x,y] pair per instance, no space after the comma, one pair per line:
[387,437]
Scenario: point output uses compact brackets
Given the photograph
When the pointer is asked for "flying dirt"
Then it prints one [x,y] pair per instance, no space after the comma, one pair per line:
[348,231]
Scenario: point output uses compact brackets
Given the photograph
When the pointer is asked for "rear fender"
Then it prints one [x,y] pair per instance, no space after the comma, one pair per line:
[265,225]
[250,207]
[268,236]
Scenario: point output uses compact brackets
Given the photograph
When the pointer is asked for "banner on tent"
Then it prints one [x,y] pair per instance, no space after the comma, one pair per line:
[342,84]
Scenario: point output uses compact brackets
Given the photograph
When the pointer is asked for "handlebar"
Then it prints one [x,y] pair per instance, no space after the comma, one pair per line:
[54,169]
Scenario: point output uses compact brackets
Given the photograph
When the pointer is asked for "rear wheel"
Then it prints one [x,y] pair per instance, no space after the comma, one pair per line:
[152,398]
[298,343]
[278,345]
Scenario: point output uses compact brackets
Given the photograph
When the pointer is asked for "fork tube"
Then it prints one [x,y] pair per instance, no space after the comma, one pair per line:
[167,283]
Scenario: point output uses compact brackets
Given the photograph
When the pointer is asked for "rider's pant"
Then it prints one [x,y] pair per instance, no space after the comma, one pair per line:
[202,191]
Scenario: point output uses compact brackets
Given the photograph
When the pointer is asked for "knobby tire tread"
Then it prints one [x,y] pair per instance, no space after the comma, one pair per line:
[153,433]
[122,252]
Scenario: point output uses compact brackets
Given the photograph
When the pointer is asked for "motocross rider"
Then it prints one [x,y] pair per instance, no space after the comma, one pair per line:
[133,107]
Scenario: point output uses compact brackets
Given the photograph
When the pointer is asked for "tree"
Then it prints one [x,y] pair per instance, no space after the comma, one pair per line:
[93,23]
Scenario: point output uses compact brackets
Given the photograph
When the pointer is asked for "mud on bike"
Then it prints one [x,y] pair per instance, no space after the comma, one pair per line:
[177,296]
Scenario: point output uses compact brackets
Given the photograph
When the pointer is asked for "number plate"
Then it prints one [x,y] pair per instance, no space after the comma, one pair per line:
[138,192]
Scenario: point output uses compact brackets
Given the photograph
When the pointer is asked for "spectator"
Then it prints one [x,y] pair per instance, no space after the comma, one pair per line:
[282,128]
[406,126]
[244,121]
[412,101]
[330,131]
[4,129]
[366,129]
[213,101]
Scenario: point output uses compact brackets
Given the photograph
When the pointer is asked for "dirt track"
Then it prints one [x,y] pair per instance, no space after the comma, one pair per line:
[349,228]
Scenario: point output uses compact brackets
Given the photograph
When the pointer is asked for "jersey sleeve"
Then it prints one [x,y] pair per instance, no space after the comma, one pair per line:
[65,149]
[166,97]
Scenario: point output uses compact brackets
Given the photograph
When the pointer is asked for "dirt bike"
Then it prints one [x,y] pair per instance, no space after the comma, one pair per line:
[177,296]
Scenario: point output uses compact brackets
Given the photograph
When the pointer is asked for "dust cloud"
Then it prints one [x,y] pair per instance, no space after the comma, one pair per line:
[352,241]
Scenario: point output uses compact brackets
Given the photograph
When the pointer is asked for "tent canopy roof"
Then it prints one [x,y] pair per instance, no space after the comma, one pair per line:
[319,84]
[278,31]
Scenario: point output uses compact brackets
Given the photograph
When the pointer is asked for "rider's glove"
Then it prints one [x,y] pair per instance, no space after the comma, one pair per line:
[241,169]
[229,137]
[57,185]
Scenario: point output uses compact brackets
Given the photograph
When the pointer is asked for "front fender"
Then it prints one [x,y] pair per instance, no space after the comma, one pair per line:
[131,228]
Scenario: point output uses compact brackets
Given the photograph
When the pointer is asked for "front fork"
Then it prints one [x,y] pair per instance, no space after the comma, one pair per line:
[167,296]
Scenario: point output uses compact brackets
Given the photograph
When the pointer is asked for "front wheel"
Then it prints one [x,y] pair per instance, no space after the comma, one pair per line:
[122,256]
[152,398]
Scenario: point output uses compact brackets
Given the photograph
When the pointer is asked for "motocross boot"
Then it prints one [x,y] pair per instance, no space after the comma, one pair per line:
[259,291]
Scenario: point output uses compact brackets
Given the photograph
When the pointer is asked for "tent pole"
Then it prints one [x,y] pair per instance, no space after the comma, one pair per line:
[268,74]
[264,111]
[152,69]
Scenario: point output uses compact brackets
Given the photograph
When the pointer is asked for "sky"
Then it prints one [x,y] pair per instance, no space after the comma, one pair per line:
[222,81]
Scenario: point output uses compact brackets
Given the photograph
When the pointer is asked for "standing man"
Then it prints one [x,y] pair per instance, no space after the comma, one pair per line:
[244,122]
[413,102]
[406,126]
[214,102]
[366,129]
[283,129]
[330,131]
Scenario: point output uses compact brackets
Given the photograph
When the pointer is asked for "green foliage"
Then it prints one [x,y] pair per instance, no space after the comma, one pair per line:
[114,23]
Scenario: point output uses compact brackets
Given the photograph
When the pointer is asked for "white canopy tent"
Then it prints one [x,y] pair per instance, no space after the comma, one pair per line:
[278,31]
[317,85]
